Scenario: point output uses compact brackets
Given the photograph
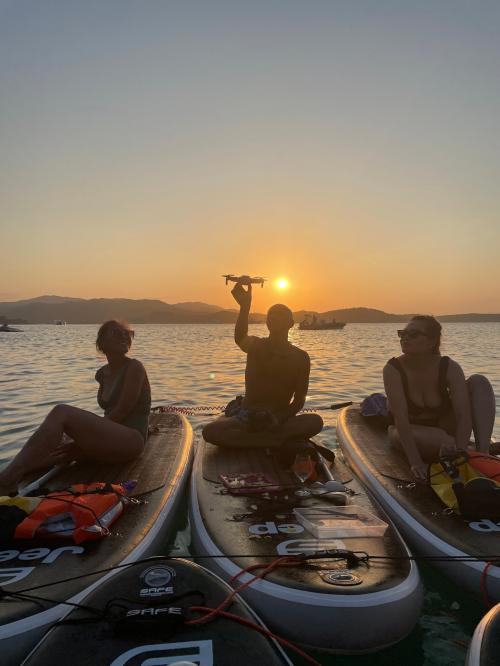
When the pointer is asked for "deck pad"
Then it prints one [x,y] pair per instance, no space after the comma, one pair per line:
[253,529]
[56,570]
[372,449]
[257,461]
[143,629]
[326,595]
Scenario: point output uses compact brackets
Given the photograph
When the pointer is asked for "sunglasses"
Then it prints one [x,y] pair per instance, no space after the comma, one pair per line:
[121,333]
[410,334]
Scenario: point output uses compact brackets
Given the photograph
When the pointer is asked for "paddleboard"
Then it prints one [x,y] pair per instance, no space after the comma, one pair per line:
[40,580]
[326,601]
[428,527]
[484,648]
[131,623]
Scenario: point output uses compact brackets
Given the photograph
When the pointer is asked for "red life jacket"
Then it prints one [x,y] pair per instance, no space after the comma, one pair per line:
[83,512]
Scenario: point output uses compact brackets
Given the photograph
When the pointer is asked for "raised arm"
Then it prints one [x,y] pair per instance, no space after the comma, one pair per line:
[399,409]
[461,405]
[244,299]
[135,377]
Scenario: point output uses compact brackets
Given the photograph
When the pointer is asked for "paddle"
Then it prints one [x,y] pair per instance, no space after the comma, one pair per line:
[337,405]
[23,491]
[321,459]
[322,450]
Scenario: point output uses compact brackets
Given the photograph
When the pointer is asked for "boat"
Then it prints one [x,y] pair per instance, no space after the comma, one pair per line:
[327,594]
[59,322]
[312,323]
[132,623]
[61,573]
[464,549]
[484,648]
[5,328]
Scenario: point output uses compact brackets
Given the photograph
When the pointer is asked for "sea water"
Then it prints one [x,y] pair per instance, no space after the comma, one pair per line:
[201,366]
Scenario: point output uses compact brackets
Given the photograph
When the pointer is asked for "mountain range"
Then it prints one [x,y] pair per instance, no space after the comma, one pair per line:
[47,309]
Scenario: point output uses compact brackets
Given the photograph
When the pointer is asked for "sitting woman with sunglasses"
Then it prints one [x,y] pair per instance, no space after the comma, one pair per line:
[70,433]
[433,406]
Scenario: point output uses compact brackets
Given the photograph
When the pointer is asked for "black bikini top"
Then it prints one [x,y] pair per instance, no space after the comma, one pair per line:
[431,413]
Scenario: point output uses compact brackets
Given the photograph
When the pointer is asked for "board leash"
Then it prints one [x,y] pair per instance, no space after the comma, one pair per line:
[212,410]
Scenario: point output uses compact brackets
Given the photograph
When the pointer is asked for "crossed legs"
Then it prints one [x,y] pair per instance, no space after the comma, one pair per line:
[231,432]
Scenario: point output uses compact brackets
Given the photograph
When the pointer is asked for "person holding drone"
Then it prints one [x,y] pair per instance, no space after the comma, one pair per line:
[276,384]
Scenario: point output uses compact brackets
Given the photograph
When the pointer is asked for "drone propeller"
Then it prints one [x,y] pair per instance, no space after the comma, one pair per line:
[244,279]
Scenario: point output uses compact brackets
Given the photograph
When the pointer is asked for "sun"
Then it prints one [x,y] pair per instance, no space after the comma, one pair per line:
[282,283]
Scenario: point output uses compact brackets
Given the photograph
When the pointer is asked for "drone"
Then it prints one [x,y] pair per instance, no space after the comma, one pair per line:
[244,279]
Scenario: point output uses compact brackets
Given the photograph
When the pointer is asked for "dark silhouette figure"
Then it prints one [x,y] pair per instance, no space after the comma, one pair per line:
[276,383]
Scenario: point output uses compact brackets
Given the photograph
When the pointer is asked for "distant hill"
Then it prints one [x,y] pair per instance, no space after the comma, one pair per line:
[195,306]
[46,309]
[478,317]
[49,299]
[91,311]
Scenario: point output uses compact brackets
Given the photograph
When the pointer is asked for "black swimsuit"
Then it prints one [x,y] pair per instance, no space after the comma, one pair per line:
[429,416]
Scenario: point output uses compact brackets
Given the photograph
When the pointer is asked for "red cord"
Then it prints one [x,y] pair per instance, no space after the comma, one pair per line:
[265,632]
[484,588]
[286,561]
[281,561]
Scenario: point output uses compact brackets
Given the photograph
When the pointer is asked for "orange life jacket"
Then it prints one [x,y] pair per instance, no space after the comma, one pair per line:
[83,512]
[486,465]
[468,483]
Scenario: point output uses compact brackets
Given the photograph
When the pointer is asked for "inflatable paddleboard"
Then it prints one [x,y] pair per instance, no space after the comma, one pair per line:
[428,527]
[328,599]
[38,577]
[484,648]
[130,623]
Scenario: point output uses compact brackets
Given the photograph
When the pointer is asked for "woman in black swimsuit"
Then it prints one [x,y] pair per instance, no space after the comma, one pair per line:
[68,432]
[434,407]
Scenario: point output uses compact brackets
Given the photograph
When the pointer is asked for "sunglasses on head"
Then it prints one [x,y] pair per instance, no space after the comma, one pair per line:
[121,333]
[410,334]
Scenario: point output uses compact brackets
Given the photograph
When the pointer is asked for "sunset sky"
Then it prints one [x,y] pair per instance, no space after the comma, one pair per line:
[352,147]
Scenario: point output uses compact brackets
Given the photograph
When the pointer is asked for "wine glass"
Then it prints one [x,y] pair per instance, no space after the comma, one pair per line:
[303,468]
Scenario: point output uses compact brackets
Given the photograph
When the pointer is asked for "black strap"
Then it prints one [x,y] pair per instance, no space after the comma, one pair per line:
[396,363]
[442,384]
[443,372]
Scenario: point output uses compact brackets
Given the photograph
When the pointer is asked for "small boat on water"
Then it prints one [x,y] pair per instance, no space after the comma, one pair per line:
[315,324]
[484,648]
[59,322]
[130,623]
[68,572]
[326,597]
[464,550]
[5,328]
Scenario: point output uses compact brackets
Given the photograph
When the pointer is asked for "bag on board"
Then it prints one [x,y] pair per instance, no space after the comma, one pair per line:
[469,483]
[375,409]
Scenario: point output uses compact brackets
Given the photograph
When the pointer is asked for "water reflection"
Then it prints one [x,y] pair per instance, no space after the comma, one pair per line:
[201,365]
